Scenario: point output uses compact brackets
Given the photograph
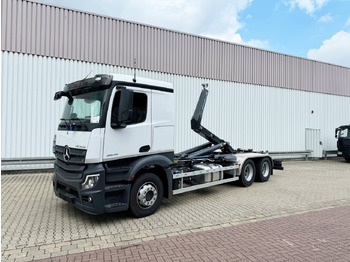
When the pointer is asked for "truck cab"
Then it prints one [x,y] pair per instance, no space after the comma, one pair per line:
[113,128]
[343,143]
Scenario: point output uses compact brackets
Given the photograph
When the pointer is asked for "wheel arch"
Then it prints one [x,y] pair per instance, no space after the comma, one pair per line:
[255,157]
[158,165]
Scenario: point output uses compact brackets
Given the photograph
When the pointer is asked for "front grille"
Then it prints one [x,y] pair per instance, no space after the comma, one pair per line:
[344,144]
[74,166]
[77,156]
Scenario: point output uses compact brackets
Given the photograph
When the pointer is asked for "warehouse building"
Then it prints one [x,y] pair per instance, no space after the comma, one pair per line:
[257,98]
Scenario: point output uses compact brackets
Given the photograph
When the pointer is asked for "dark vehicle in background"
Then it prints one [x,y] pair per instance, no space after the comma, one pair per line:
[343,144]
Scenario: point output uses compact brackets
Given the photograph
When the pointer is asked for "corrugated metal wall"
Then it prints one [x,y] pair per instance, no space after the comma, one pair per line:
[247,115]
[258,99]
[33,28]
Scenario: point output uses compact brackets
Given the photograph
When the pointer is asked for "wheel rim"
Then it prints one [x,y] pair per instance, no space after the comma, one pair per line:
[248,172]
[147,195]
[265,170]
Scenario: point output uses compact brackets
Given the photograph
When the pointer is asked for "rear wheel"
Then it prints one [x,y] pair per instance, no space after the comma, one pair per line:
[263,169]
[247,176]
[146,195]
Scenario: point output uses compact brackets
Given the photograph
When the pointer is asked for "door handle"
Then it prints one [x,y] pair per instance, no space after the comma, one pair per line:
[144,149]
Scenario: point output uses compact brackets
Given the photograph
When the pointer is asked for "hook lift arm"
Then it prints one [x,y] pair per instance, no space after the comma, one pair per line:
[214,141]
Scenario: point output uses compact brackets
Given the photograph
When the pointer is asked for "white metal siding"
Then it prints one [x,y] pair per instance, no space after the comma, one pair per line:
[247,115]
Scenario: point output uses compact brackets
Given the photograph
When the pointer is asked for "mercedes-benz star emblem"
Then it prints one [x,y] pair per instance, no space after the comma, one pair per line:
[66,153]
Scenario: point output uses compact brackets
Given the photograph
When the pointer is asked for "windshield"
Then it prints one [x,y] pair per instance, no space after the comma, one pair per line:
[344,133]
[86,109]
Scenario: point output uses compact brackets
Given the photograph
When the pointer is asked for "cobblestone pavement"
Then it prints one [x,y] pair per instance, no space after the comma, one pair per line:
[35,224]
[314,236]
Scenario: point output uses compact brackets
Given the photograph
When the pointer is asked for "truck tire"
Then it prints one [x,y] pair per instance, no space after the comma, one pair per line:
[263,170]
[146,195]
[347,159]
[247,176]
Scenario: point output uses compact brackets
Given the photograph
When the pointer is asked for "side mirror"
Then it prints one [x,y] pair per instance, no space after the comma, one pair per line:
[57,96]
[125,110]
[126,105]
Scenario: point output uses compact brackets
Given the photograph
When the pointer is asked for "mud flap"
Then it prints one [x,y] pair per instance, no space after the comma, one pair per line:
[277,164]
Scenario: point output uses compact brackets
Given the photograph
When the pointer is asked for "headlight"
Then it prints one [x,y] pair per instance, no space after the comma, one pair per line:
[90,181]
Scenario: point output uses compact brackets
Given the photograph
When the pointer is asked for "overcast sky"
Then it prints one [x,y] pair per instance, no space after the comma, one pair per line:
[315,29]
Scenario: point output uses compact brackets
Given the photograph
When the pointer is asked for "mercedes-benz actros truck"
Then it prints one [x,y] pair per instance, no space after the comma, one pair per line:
[114,148]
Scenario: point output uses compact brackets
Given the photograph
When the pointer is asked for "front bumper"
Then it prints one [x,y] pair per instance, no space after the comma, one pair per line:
[344,154]
[103,198]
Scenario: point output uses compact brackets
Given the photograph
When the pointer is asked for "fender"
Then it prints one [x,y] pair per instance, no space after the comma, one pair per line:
[161,161]
[242,157]
[126,169]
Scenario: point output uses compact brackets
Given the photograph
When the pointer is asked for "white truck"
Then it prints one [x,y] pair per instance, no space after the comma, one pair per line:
[114,148]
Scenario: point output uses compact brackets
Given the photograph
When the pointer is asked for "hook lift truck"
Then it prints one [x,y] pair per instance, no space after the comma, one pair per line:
[114,148]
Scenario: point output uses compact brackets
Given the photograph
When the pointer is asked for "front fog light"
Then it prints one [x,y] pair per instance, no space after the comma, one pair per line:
[90,181]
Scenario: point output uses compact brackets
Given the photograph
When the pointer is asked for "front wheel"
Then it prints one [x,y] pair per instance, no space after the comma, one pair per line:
[247,176]
[263,170]
[146,195]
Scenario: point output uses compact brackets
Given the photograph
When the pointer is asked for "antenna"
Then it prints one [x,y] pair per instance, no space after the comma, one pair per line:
[88,74]
[134,80]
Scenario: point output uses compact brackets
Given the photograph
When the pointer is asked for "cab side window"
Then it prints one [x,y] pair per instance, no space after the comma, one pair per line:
[139,108]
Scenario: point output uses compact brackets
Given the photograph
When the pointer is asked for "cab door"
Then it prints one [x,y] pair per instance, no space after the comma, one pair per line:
[132,138]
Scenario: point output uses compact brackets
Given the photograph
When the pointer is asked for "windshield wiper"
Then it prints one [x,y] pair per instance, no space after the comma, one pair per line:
[70,125]
[65,123]
[82,123]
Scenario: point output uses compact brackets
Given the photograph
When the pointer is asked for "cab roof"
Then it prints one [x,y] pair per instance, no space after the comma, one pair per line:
[141,80]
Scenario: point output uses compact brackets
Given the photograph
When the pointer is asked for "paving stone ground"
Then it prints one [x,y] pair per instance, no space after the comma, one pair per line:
[37,225]
[314,236]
